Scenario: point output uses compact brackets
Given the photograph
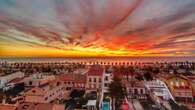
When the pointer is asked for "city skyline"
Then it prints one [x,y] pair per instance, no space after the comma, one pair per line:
[56,28]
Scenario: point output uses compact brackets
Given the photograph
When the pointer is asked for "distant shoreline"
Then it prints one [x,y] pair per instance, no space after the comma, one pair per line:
[97,59]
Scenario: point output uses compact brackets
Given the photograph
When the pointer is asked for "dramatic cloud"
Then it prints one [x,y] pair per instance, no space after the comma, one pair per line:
[97,27]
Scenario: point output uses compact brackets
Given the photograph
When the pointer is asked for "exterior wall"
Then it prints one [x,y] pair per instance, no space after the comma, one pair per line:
[34,99]
[55,93]
[139,92]
[79,85]
[94,82]
[107,80]
[35,81]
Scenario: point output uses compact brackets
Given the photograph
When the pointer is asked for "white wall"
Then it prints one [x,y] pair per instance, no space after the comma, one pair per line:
[7,78]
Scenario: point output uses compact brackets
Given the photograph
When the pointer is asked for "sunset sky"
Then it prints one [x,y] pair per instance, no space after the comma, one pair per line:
[97,28]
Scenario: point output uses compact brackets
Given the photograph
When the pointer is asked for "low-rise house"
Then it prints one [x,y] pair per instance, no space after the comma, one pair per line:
[136,89]
[45,93]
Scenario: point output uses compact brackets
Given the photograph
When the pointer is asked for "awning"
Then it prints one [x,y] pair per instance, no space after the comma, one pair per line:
[91,103]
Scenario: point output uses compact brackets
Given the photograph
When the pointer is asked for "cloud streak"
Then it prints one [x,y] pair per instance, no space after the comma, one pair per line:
[125,27]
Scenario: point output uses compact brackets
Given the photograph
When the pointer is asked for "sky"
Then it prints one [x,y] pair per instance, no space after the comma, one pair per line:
[63,28]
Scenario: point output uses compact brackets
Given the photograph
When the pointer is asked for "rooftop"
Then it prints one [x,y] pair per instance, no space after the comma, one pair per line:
[7,107]
[40,106]
[77,78]
[95,71]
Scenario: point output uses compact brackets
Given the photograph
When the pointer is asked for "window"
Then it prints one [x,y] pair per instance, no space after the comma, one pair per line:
[30,82]
[177,84]
[100,80]
[135,91]
[89,79]
[94,80]
[182,83]
[171,83]
[106,78]
[58,83]
[46,98]
[141,91]
[106,84]
[33,91]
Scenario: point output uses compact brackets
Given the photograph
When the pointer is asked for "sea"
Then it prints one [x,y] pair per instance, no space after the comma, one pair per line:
[98,59]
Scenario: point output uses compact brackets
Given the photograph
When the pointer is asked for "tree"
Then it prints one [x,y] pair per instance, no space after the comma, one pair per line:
[117,91]
[77,93]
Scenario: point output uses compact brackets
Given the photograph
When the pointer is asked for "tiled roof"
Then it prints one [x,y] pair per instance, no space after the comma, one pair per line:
[35,91]
[67,77]
[77,78]
[7,107]
[35,106]
[95,71]
[80,78]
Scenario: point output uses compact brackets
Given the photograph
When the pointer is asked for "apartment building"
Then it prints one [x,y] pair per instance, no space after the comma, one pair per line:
[94,78]
[73,81]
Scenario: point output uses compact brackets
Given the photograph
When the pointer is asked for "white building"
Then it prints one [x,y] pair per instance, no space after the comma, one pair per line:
[38,79]
[159,88]
[5,79]
[108,77]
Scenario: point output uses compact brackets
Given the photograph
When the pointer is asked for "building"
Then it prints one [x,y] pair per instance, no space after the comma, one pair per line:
[95,78]
[108,77]
[159,89]
[45,93]
[73,81]
[7,78]
[136,89]
[36,80]
[180,87]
